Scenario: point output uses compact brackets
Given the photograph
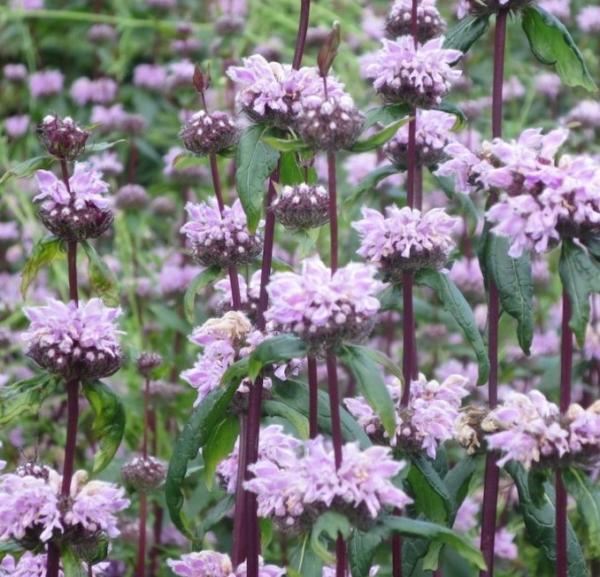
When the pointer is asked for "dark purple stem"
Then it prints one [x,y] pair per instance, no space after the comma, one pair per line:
[140,570]
[301,37]
[313,398]
[236,299]
[333,223]
[566,368]
[239,530]
[492,472]
[53,560]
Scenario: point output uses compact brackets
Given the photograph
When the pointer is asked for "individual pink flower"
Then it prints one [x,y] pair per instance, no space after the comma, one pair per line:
[150,76]
[15,72]
[16,126]
[588,19]
[45,83]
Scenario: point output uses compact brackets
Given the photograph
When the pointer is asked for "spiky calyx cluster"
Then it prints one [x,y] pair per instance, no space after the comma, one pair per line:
[145,474]
[329,124]
[206,133]
[430,24]
[302,206]
[62,137]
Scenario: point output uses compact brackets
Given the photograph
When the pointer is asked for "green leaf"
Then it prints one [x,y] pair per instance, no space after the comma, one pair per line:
[430,494]
[255,161]
[101,146]
[371,384]
[200,281]
[385,114]
[455,303]
[295,395]
[587,496]
[464,201]
[44,252]
[381,359]
[369,182]
[537,506]
[513,279]
[24,398]
[109,421]
[361,550]
[379,138]
[219,445]
[71,564]
[451,108]
[303,561]
[466,32]
[437,534]
[280,348]
[202,422]
[297,419]
[580,276]
[552,44]
[214,515]
[186,160]
[457,481]
[290,172]
[103,281]
[27,168]
[285,144]
[329,524]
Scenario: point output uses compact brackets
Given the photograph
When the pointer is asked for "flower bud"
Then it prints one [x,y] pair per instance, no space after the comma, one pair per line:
[147,362]
[144,474]
[209,133]
[62,137]
[131,197]
[429,22]
[330,124]
[302,206]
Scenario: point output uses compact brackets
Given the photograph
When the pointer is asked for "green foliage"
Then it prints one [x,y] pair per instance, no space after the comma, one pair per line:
[109,421]
[280,348]
[218,447]
[200,281]
[464,34]
[379,138]
[24,398]
[329,524]
[45,252]
[103,281]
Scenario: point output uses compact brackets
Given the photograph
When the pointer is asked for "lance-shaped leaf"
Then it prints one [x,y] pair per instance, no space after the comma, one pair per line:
[371,384]
[27,168]
[255,161]
[466,33]
[435,533]
[580,275]
[72,565]
[513,279]
[294,417]
[428,490]
[103,281]
[25,397]
[44,252]
[361,550]
[552,44]
[218,447]
[586,494]
[456,304]
[109,421]
[201,280]
[379,138]
[537,506]
[385,115]
[202,422]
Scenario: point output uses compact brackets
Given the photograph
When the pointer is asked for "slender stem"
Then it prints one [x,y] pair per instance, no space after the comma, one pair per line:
[236,299]
[408,342]
[146,418]
[140,570]
[301,37]
[333,222]
[53,559]
[566,368]
[334,404]
[313,398]
[341,556]
[238,553]
[492,472]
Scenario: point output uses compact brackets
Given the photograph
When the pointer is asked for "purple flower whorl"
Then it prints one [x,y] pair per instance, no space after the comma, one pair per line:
[62,137]
[75,342]
[322,308]
[419,76]
[78,213]
[220,241]
[405,239]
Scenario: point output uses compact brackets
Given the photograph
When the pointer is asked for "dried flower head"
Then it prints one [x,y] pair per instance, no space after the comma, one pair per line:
[144,474]
[62,137]
[206,133]
[302,206]
[429,21]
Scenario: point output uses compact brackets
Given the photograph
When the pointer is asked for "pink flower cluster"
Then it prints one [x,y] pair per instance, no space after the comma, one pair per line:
[98,91]
[273,92]
[30,504]
[324,308]
[213,564]
[292,477]
[541,199]
[429,419]
[420,76]
[405,238]
[34,565]
[86,186]
[220,240]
